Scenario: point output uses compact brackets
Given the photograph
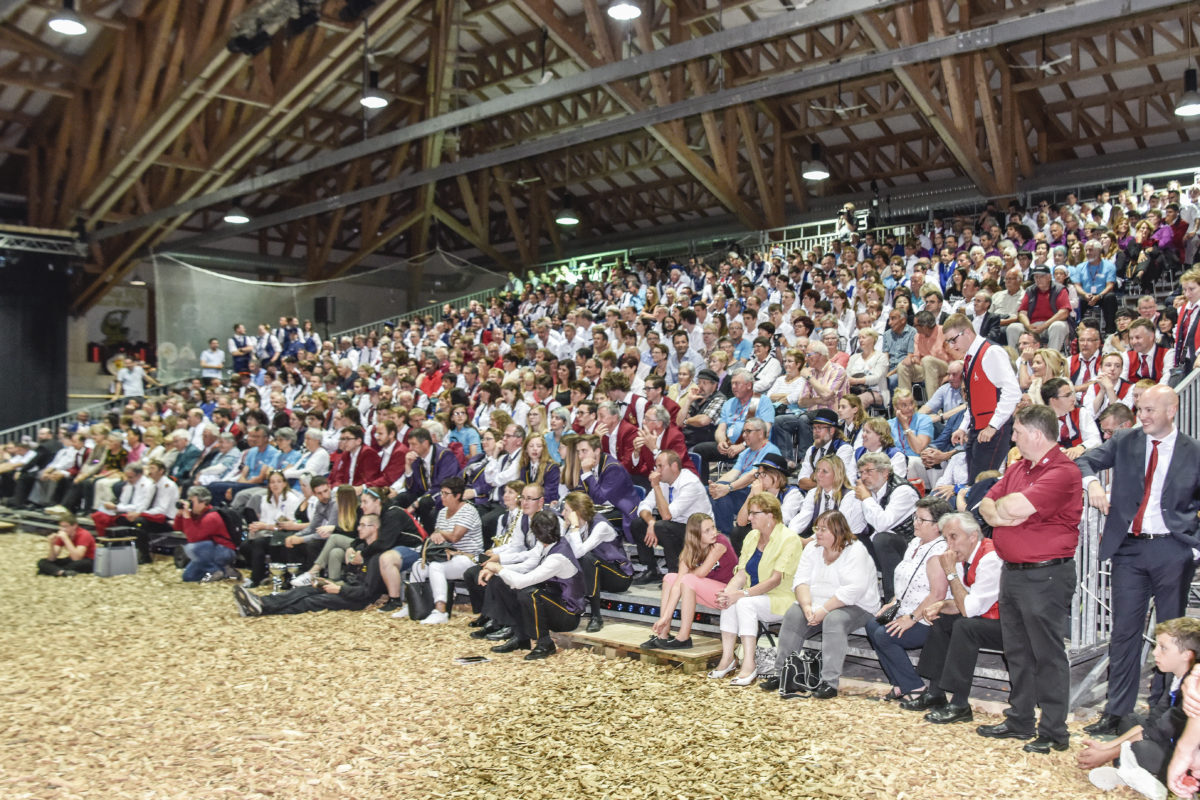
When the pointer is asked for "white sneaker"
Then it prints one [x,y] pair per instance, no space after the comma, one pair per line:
[303,579]
[436,618]
[400,613]
[1137,777]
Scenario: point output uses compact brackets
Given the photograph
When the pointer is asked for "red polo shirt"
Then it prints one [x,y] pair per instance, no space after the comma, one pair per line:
[1054,486]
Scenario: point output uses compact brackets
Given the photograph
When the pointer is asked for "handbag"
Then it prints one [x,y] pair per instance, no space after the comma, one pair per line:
[888,614]
[800,674]
[430,551]
[418,596]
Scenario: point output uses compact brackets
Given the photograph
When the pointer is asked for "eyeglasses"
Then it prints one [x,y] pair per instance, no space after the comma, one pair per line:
[525,499]
[1068,396]
[923,519]
[955,337]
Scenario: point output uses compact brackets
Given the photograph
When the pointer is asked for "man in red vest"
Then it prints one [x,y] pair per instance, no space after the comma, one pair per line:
[991,389]
[962,626]
[1145,359]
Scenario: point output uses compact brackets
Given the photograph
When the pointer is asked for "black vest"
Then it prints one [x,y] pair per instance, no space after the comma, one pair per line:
[904,528]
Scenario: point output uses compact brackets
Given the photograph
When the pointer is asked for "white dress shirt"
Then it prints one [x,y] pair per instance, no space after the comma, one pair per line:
[901,506]
[985,591]
[850,506]
[686,496]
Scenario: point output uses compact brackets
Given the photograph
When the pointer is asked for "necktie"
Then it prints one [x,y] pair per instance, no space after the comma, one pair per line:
[670,494]
[968,577]
[1087,371]
[1144,369]
[1064,433]
[1181,335]
[1136,528]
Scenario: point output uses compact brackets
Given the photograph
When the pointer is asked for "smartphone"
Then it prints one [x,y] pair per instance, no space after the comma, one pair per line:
[471,659]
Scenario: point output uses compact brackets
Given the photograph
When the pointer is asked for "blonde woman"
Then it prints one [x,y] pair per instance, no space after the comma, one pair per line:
[832,492]
[333,555]
[1044,365]
[868,370]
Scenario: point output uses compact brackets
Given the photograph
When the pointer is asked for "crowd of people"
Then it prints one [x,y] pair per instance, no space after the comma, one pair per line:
[891,434]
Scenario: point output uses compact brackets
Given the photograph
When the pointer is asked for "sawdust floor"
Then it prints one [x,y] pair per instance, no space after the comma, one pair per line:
[142,687]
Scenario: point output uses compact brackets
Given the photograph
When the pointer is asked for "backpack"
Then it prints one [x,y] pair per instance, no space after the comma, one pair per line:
[234,524]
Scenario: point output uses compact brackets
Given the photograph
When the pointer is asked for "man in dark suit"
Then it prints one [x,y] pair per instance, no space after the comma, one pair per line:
[1149,534]
[985,321]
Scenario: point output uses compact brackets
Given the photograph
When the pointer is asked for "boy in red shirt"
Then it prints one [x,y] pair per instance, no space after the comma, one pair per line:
[72,550]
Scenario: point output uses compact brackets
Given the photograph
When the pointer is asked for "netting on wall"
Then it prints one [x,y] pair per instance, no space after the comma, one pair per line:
[193,304]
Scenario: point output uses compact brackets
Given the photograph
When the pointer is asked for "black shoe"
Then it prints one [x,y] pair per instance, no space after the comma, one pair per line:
[500,634]
[652,643]
[1043,745]
[512,645]
[1107,725]
[771,684]
[824,691]
[595,624]
[541,651]
[948,713]
[393,604]
[484,631]
[479,622]
[675,644]
[1002,731]
[649,576]
[924,701]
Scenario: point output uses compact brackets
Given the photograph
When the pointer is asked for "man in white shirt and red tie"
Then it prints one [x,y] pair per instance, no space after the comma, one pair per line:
[1077,429]
[991,390]
[1145,359]
[358,464]
[1085,365]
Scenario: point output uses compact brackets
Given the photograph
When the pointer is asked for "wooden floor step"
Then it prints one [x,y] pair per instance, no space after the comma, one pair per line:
[623,639]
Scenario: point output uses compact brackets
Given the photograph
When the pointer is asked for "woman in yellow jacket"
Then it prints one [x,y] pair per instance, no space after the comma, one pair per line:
[759,590]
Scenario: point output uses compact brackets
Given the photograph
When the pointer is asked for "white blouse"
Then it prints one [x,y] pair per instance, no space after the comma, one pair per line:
[850,506]
[851,577]
[911,578]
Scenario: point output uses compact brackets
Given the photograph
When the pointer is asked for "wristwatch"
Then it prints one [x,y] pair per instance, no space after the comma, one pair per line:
[951,576]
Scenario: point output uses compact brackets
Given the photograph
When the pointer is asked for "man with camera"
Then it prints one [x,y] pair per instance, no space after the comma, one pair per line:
[209,545]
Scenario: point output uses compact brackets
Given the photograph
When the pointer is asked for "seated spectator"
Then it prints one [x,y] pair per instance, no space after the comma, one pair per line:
[961,625]
[1141,754]
[1044,311]
[731,489]
[705,568]
[601,477]
[675,495]
[209,547]
[888,504]
[912,431]
[770,477]
[826,440]
[758,591]
[545,598]
[852,415]
[868,371]
[512,542]
[921,582]
[338,543]
[833,492]
[836,592]
[457,524]
[135,498]
[324,595]
[536,466]
[72,550]
[270,527]
[599,551]
[877,437]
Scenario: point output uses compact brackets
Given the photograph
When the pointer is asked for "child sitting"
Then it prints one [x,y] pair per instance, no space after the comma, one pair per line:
[1140,755]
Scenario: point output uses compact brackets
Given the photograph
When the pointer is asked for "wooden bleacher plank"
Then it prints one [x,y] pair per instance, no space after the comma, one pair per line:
[619,639]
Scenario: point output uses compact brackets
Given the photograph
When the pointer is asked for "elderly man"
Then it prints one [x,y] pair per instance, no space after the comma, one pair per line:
[1096,282]
[743,406]
[825,384]
[730,491]
[1034,511]
[1006,303]
[929,361]
[1149,532]
[899,341]
[1043,311]
[658,435]
[962,624]
[888,506]
[700,409]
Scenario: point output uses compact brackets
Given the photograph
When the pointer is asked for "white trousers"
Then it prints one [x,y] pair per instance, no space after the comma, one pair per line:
[743,616]
[439,573]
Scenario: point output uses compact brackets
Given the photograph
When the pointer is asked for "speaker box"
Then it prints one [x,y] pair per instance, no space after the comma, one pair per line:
[324,310]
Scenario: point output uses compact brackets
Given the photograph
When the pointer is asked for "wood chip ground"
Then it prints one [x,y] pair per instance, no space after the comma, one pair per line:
[142,687]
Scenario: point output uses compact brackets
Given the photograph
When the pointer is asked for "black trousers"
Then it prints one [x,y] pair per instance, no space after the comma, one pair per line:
[1141,569]
[307,598]
[984,456]
[600,575]
[887,549]
[426,510]
[670,537]
[533,612]
[256,552]
[48,566]
[23,486]
[146,531]
[950,653]
[474,590]
[77,492]
[1035,612]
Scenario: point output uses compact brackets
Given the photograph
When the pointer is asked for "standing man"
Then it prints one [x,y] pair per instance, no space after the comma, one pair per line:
[992,391]
[212,360]
[1034,511]
[1149,532]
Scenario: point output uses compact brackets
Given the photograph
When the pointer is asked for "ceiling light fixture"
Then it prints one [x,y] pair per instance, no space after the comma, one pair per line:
[66,21]
[566,215]
[235,215]
[372,98]
[814,168]
[136,280]
[1189,101]
[624,11]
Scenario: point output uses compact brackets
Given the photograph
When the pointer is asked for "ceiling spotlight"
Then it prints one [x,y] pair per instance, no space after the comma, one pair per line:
[566,215]
[371,97]
[136,280]
[624,11]
[1189,101]
[235,215]
[67,22]
[814,168]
